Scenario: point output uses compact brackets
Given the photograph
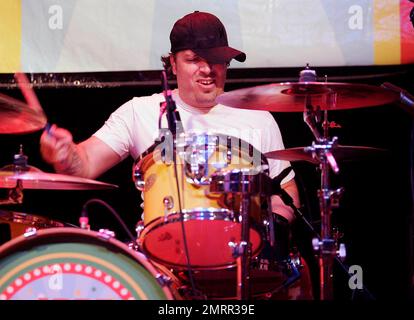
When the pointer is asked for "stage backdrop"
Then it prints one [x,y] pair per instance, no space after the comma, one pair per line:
[128,35]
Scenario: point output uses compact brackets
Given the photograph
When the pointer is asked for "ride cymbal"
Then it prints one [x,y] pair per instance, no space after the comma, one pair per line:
[293,96]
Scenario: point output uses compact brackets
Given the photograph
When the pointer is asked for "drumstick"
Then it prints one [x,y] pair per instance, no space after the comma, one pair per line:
[29,95]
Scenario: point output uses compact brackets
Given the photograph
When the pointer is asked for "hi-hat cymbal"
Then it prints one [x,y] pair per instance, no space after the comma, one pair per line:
[17,117]
[37,179]
[341,153]
[292,96]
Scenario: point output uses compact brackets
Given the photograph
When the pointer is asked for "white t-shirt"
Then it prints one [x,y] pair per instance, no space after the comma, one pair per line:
[133,127]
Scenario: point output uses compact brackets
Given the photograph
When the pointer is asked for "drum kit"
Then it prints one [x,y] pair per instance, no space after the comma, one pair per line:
[207,229]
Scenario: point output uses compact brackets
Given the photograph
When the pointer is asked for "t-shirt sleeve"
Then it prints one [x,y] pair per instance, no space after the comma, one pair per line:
[116,132]
[274,141]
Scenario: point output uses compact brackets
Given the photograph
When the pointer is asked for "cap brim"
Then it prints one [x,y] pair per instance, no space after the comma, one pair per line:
[221,54]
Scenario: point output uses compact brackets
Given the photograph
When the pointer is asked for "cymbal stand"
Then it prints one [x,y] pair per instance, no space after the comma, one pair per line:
[15,195]
[243,251]
[328,199]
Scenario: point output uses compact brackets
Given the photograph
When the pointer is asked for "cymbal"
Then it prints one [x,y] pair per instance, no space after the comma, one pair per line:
[37,179]
[341,153]
[292,96]
[17,117]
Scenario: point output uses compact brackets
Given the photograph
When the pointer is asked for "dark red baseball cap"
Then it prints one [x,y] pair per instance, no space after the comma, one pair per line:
[204,34]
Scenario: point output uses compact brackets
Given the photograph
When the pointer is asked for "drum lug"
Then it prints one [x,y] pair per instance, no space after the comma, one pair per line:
[139,227]
[196,172]
[30,232]
[138,179]
[229,149]
[163,280]
[106,234]
[133,245]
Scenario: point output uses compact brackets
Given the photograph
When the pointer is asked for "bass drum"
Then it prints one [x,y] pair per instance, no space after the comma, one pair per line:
[66,263]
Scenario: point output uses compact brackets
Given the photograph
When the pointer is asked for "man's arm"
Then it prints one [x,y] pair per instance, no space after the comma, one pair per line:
[283,218]
[280,208]
[88,159]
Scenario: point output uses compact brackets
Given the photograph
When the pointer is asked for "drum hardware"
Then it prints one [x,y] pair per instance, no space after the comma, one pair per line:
[163,280]
[15,195]
[139,228]
[133,245]
[30,232]
[312,98]
[105,234]
[239,181]
[196,151]
[317,243]
[294,265]
[236,181]
[327,248]
[138,179]
[168,205]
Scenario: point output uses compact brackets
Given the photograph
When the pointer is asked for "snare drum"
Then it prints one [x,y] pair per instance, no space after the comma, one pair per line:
[69,263]
[14,224]
[210,220]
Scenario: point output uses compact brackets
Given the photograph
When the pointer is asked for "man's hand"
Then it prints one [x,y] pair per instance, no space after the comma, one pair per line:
[58,149]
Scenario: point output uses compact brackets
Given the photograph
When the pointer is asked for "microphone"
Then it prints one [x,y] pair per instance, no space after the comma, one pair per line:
[173,116]
[278,190]
[405,97]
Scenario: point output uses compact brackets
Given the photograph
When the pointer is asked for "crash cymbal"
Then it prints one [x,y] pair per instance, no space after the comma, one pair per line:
[17,117]
[37,179]
[341,153]
[291,96]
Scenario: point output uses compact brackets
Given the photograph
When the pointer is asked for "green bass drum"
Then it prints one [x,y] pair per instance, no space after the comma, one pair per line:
[69,263]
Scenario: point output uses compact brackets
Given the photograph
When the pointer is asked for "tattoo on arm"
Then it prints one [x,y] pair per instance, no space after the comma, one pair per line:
[73,164]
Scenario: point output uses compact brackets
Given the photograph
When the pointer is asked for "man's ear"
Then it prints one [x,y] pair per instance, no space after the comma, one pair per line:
[173,64]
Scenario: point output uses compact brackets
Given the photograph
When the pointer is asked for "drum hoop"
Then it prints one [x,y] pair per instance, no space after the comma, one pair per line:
[189,212]
[142,158]
[174,218]
[60,235]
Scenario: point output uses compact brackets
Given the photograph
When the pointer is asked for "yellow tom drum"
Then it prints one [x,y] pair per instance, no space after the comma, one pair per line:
[210,220]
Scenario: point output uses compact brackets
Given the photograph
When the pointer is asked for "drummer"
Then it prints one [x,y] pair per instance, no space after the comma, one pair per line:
[199,58]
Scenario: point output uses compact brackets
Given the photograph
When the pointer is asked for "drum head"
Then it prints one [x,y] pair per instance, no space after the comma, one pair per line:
[66,263]
[209,233]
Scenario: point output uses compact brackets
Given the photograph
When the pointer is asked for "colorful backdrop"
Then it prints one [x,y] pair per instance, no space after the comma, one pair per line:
[120,35]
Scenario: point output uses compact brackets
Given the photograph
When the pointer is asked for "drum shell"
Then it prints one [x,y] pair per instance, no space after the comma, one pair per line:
[160,183]
[203,211]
